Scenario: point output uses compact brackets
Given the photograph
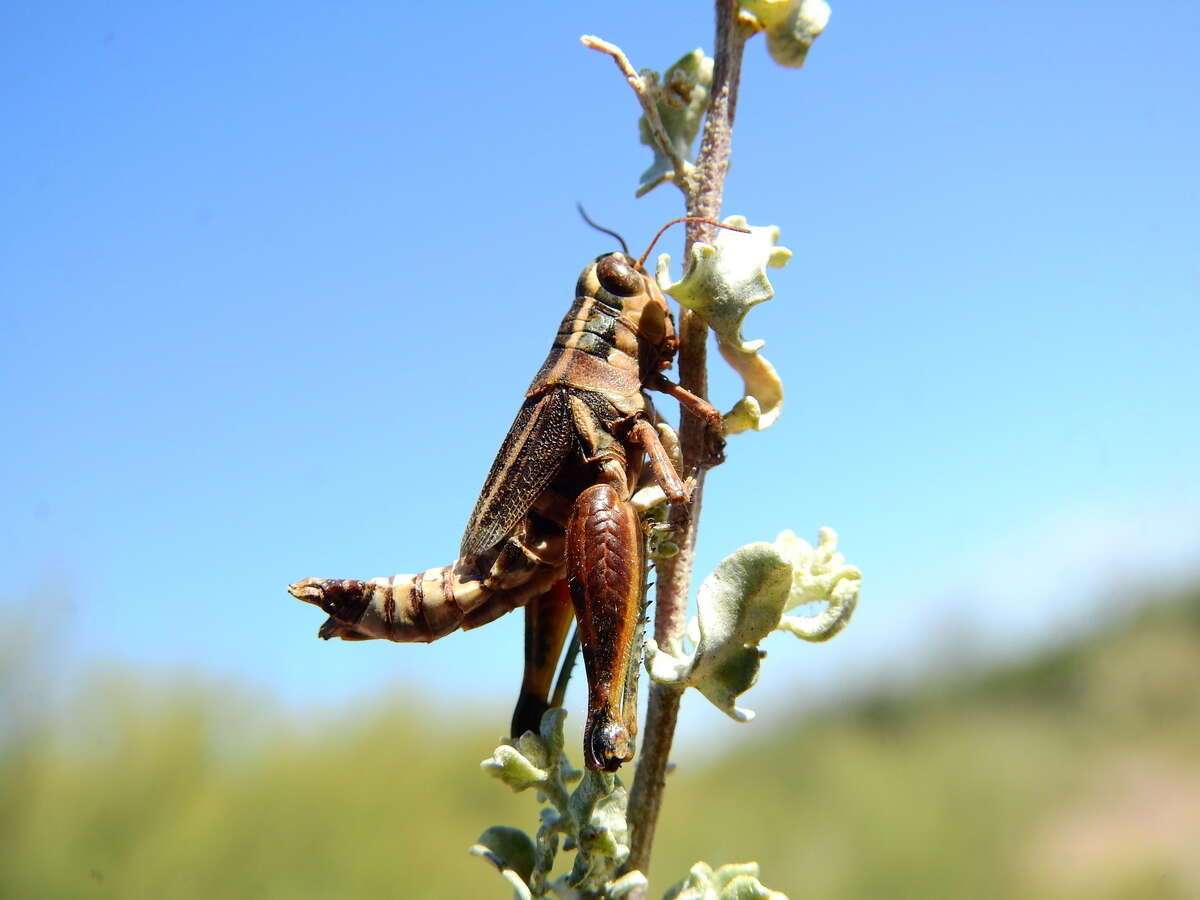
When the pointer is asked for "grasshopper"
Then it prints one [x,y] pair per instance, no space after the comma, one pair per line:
[554,530]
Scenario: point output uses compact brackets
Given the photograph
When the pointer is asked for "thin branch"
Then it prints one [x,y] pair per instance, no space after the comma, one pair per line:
[564,673]
[674,574]
[682,168]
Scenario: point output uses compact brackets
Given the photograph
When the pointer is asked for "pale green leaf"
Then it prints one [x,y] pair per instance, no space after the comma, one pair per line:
[746,887]
[599,803]
[723,282]
[591,820]
[791,26]
[514,768]
[739,604]
[534,760]
[819,575]
[511,851]
[550,730]
[728,277]
[695,886]
[619,888]
[737,881]
[598,809]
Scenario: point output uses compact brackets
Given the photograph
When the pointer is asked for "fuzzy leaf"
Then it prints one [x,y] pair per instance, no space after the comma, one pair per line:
[598,807]
[681,94]
[630,881]
[514,768]
[695,886]
[534,760]
[737,881]
[723,282]
[819,575]
[739,604]
[746,887]
[743,600]
[510,850]
[590,820]
[599,804]
[550,730]
[725,279]
[791,26]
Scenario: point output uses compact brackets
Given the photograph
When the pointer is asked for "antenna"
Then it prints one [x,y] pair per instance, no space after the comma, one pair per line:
[642,259]
[609,232]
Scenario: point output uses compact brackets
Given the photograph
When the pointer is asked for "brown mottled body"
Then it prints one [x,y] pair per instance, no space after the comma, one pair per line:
[555,506]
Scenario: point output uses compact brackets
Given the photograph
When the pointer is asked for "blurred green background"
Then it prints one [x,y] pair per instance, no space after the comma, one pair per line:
[273,278]
[1071,774]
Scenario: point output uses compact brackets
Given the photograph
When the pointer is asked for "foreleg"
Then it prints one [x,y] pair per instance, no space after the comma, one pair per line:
[702,410]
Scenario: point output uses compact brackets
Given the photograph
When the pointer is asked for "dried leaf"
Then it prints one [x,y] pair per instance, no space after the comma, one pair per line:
[763,390]
[681,94]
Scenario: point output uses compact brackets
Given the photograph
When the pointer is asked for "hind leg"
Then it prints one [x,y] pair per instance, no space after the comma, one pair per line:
[547,619]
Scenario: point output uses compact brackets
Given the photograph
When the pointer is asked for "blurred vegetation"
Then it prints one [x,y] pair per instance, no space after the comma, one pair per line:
[1072,774]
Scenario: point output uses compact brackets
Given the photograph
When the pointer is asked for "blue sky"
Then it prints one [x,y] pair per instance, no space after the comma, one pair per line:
[273,279]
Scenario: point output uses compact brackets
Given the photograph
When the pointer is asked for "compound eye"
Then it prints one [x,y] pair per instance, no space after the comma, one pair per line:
[617,276]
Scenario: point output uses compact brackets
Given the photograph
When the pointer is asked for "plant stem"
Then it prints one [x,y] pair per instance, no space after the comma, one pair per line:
[674,575]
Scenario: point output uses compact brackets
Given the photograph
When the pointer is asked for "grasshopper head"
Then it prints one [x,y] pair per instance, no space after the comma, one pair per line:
[620,284]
